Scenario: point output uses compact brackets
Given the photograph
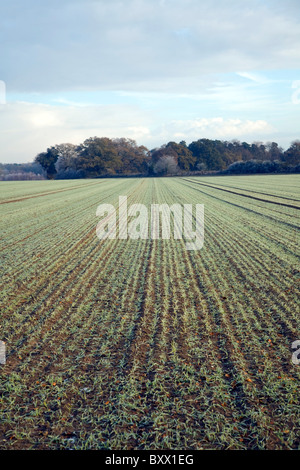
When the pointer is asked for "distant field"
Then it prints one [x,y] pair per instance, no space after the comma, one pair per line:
[142,344]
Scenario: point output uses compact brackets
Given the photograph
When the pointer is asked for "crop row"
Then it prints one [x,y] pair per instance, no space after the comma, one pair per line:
[143,344]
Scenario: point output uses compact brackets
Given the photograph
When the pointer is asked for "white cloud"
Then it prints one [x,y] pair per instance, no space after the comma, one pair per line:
[254,77]
[215,128]
[134,44]
[184,70]
[28,129]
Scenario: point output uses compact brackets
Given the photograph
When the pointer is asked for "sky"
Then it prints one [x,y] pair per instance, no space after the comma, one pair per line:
[150,70]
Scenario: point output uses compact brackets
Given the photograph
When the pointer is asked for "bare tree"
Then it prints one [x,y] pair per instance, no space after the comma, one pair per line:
[166,165]
[67,154]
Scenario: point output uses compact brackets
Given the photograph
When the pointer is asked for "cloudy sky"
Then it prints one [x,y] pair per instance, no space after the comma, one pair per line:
[150,70]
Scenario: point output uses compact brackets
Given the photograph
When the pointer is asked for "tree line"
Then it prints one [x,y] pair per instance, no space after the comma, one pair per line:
[107,157]
[22,171]
[104,157]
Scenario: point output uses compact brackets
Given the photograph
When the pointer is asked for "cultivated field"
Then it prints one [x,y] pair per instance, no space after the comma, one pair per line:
[143,344]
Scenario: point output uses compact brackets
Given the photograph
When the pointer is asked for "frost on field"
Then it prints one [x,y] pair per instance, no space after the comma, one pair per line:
[2,352]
